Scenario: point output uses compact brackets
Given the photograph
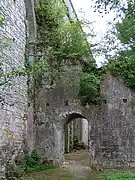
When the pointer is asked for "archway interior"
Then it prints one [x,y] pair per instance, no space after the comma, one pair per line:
[76,131]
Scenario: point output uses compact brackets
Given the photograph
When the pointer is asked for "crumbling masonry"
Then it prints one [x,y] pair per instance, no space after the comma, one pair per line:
[112,125]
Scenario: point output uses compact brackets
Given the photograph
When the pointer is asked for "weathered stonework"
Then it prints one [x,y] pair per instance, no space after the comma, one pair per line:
[111,135]
[111,125]
[51,113]
[13,98]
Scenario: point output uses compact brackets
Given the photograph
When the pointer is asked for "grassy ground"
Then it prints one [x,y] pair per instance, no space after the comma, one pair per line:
[81,158]
[58,174]
[113,174]
[52,174]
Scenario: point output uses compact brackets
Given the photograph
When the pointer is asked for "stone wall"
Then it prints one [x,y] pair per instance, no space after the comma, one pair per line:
[12,93]
[112,125]
[111,135]
[53,105]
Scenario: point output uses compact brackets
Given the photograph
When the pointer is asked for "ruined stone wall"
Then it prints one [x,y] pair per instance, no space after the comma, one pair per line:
[112,125]
[53,104]
[12,94]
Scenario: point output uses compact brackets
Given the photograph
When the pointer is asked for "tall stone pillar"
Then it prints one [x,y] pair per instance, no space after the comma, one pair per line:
[30,55]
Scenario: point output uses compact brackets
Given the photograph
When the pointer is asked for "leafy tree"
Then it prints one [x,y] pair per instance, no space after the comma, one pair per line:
[122,63]
[89,89]
[126,28]
[124,67]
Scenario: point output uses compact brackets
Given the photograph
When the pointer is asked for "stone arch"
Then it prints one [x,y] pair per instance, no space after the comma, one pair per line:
[67,118]
[72,116]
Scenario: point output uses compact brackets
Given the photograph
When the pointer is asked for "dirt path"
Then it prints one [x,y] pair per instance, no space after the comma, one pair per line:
[77,164]
[75,167]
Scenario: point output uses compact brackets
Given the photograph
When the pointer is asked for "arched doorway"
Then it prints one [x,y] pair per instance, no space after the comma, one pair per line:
[76,133]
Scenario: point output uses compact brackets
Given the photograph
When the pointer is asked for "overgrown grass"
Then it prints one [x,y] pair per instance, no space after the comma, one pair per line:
[50,174]
[113,175]
[38,168]
[59,174]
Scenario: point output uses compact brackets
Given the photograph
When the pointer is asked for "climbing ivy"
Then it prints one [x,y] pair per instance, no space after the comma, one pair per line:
[62,42]
[60,39]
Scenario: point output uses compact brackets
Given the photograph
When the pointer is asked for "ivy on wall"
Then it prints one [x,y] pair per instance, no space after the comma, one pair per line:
[61,40]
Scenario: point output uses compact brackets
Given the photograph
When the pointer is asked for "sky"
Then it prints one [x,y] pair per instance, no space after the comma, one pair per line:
[99,24]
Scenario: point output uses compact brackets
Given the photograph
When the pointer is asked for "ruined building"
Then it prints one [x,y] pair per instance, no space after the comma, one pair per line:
[111,124]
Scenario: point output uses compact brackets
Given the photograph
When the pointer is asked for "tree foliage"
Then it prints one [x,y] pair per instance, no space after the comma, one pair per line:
[89,89]
[126,28]
[124,68]
[63,41]
[122,63]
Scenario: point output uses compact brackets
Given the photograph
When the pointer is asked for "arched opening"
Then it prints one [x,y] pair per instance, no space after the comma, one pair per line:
[76,133]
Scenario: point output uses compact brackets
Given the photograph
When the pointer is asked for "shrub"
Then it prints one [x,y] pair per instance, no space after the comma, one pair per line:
[89,89]
[30,162]
[78,145]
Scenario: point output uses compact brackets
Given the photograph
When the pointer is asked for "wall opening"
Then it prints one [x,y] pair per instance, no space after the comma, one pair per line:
[66,103]
[124,100]
[105,101]
[76,132]
[47,104]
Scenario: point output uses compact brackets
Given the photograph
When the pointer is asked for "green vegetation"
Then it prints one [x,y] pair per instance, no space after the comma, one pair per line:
[125,70]
[61,40]
[62,43]
[90,89]
[113,175]
[94,175]
[122,64]
[30,162]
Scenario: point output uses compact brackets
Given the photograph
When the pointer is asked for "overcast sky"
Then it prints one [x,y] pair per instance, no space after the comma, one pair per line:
[100,24]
